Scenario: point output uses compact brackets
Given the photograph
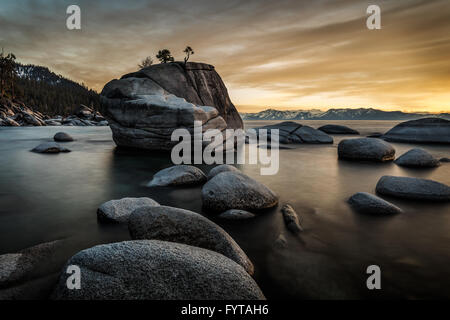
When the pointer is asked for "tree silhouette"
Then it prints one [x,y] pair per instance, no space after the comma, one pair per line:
[165,56]
[7,73]
[188,52]
[147,62]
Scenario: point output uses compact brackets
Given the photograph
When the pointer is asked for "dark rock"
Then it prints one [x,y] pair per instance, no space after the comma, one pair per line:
[221,168]
[234,190]
[370,204]
[445,160]
[120,210]
[375,135]
[417,158]
[292,132]
[50,147]
[413,188]
[183,226]
[157,270]
[236,215]
[369,149]
[30,273]
[337,129]
[291,219]
[145,107]
[180,175]
[426,130]
[62,137]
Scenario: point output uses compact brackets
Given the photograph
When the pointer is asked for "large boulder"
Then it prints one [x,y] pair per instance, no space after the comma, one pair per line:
[417,158]
[145,107]
[118,211]
[413,188]
[30,273]
[337,129]
[184,226]
[157,270]
[292,132]
[367,203]
[369,149]
[180,175]
[235,190]
[426,130]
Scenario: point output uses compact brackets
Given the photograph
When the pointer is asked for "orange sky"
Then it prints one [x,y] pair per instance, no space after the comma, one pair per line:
[286,54]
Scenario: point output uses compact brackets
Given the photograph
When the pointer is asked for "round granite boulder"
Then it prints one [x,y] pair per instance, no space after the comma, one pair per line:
[364,202]
[236,215]
[221,168]
[235,190]
[368,149]
[413,188]
[62,137]
[184,226]
[426,130]
[417,158]
[119,210]
[180,175]
[156,270]
[337,129]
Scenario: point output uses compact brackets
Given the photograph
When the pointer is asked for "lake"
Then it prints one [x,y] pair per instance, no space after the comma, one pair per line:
[49,197]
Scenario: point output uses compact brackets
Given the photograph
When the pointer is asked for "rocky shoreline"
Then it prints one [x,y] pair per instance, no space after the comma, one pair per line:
[16,114]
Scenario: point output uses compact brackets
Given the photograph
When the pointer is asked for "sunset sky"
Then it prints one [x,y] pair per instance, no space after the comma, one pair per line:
[297,54]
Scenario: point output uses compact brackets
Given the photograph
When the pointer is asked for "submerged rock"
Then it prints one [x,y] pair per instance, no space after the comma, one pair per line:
[235,190]
[184,226]
[180,175]
[369,149]
[120,210]
[292,132]
[337,129]
[50,147]
[426,130]
[417,158]
[62,137]
[444,160]
[236,215]
[291,219]
[364,202]
[413,188]
[221,168]
[145,107]
[157,270]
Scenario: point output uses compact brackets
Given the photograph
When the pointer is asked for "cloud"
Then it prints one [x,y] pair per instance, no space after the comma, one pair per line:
[280,53]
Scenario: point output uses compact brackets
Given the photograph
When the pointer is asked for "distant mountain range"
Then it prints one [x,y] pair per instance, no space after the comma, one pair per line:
[338,114]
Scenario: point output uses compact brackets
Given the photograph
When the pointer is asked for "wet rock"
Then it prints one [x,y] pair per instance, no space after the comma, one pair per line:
[368,149]
[50,147]
[417,158]
[291,219]
[120,210]
[445,160]
[292,132]
[375,135]
[234,190]
[281,242]
[180,175]
[184,226]
[157,270]
[413,188]
[30,273]
[337,129]
[426,130]
[221,168]
[236,215]
[8,122]
[62,137]
[370,204]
